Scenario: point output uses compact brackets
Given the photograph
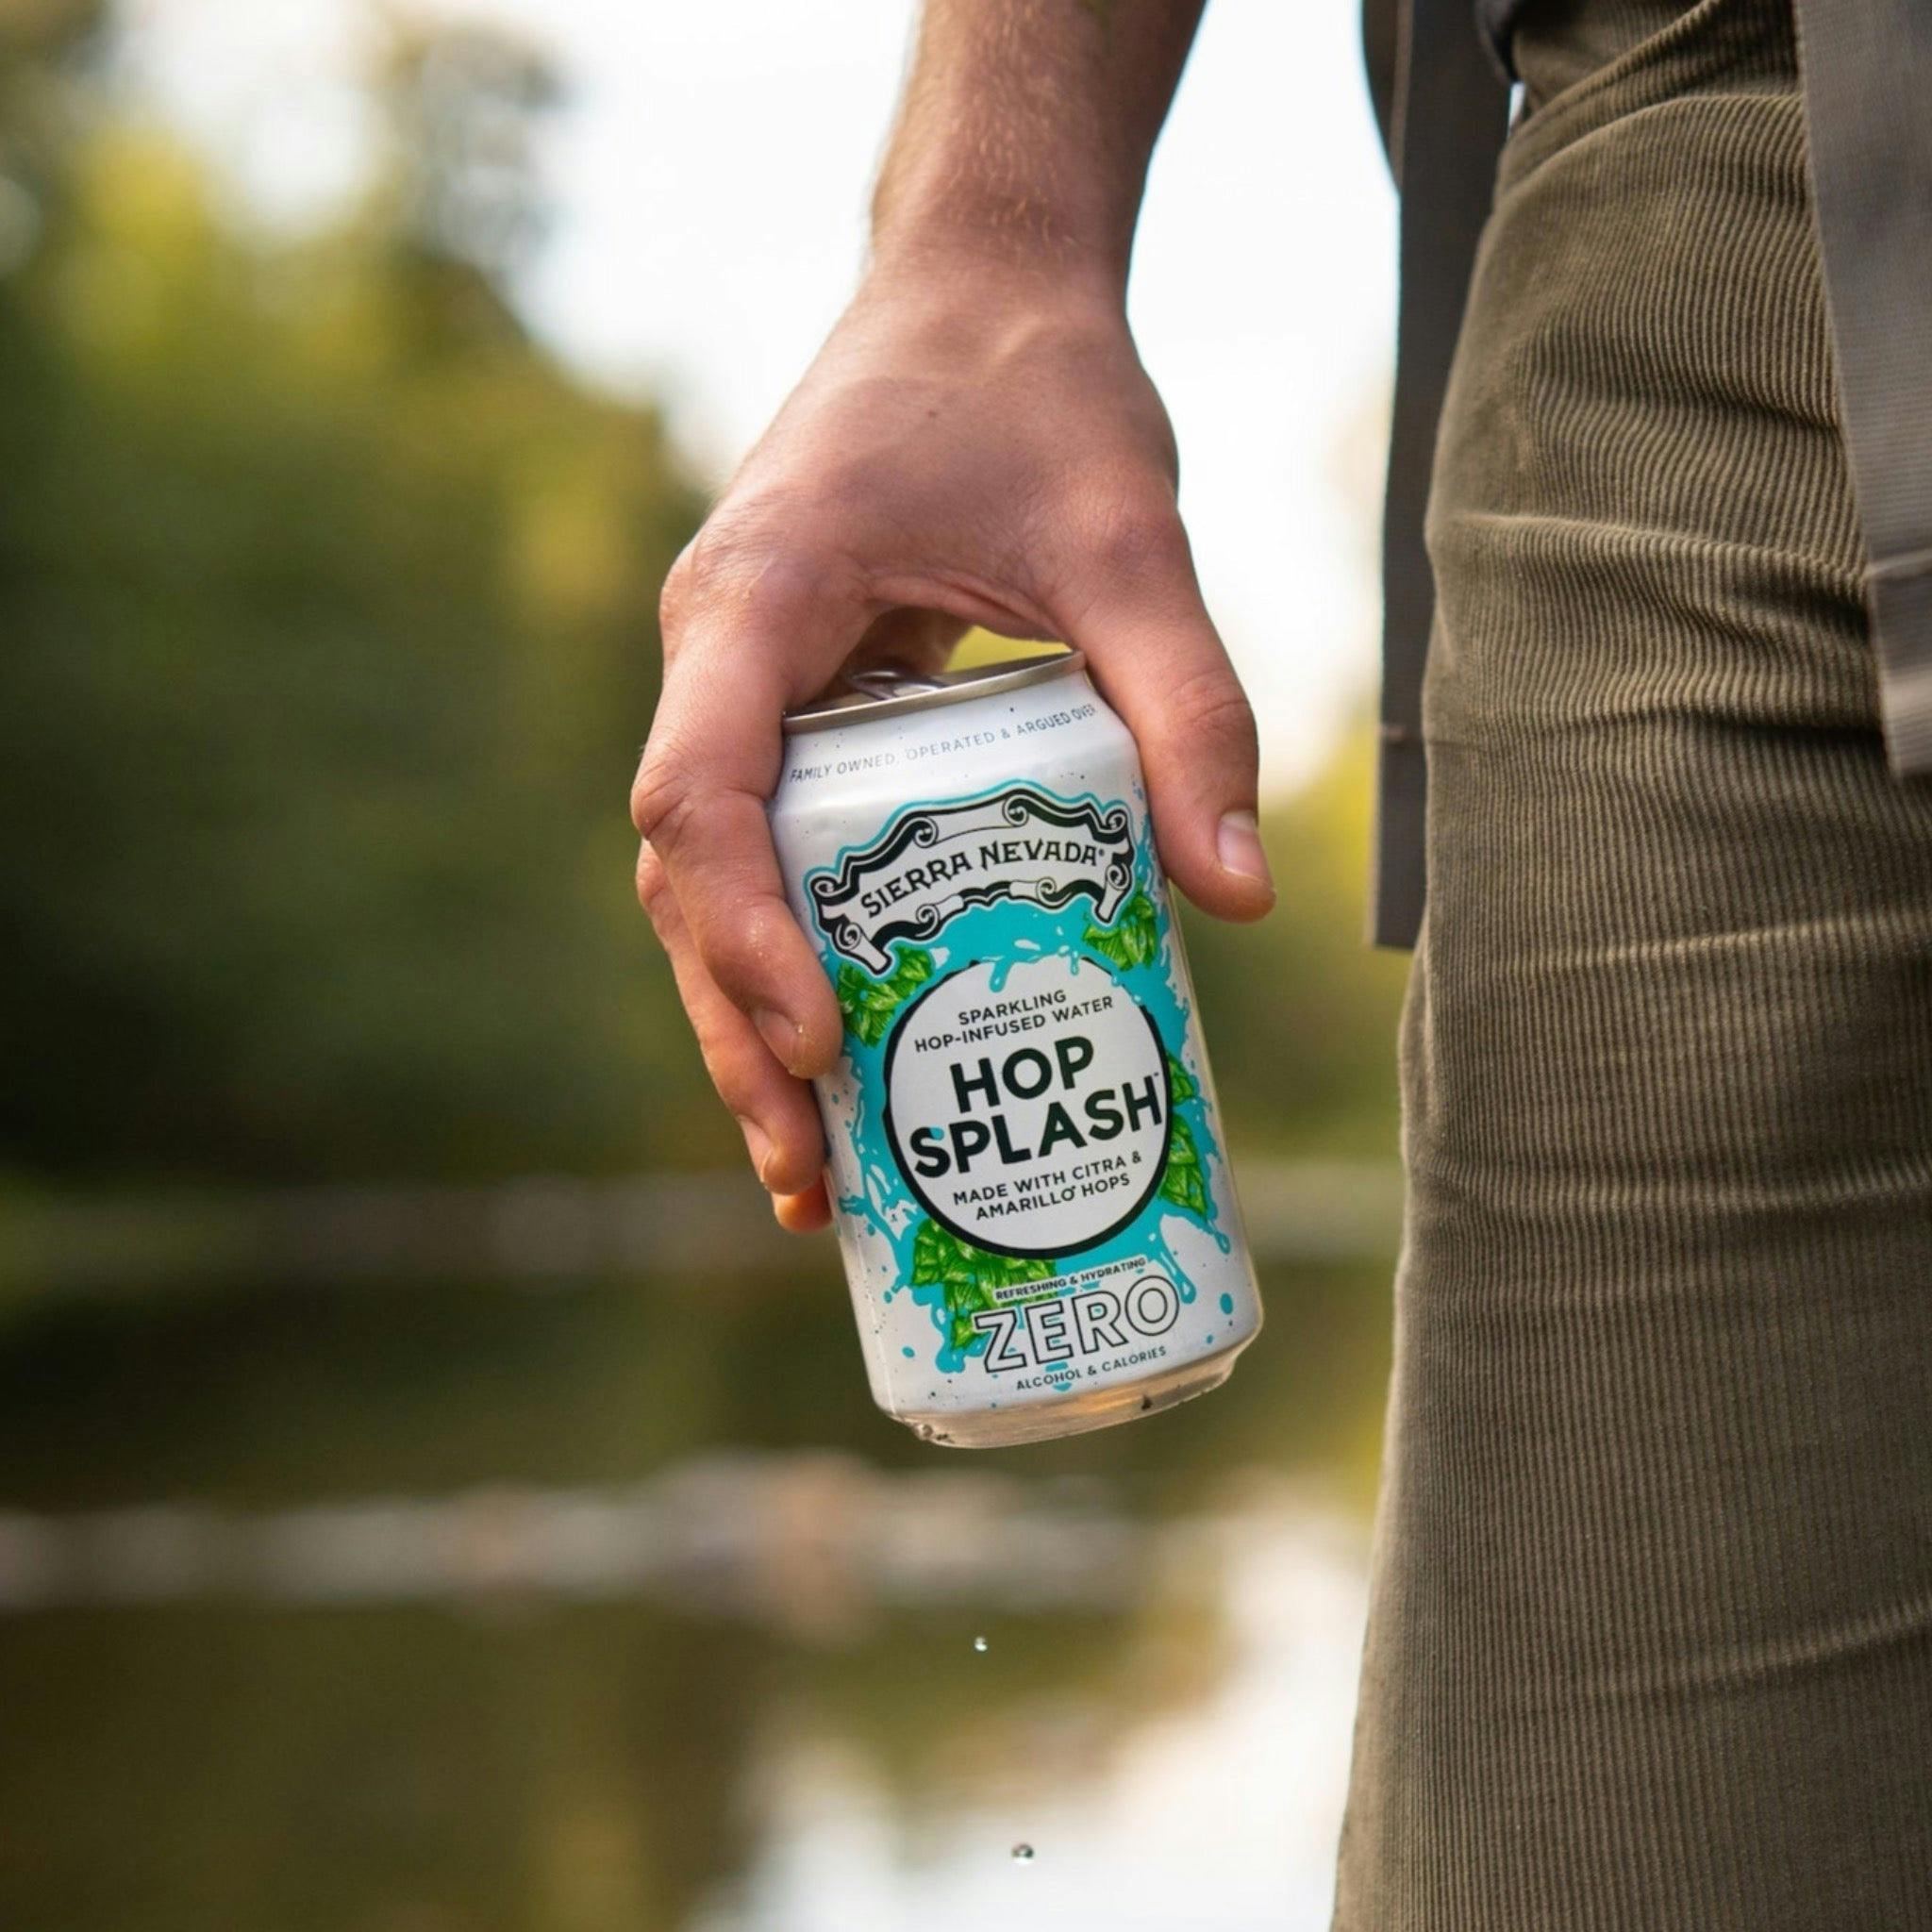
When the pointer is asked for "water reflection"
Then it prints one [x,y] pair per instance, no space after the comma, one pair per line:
[809,1545]
[454,1606]
[1220,1811]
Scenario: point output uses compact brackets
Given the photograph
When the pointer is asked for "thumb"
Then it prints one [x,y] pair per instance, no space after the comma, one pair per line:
[1161,664]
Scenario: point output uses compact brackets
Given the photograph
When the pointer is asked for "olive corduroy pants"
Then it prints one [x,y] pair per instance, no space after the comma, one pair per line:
[1650,1644]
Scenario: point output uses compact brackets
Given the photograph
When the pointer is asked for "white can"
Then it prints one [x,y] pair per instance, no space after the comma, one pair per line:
[1025,1157]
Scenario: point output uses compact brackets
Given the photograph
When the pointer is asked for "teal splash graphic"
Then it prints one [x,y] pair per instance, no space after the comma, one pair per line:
[953,1279]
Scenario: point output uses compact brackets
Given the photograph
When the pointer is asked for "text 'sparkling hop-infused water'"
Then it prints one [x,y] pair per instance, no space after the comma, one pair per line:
[1027,1175]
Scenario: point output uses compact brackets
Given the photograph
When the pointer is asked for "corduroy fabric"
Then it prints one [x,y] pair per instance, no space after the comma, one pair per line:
[1649,1645]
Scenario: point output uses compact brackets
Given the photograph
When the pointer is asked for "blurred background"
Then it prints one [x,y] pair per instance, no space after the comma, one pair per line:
[432,1496]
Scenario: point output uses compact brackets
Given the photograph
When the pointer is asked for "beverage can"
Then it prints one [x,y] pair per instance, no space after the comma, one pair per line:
[1027,1167]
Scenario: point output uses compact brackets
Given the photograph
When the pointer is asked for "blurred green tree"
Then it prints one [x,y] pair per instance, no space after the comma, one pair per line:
[1301,1015]
[328,613]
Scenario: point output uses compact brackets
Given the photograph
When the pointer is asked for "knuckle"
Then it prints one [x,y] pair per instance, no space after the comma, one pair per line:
[706,574]
[792,586]
[741,950]
[761,586]
[675,598]
[1138,541]
[653,886]
[715,557]
[766,560]
[661,800]
[1212,707]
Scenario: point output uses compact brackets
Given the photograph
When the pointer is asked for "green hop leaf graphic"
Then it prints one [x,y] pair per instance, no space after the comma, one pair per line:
[1180,1081]
[968,1275]
[1182,1182]
[1134,938]
[869,1004]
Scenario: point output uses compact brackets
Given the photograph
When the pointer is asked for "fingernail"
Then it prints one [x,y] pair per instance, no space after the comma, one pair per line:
[780,1034]
[757,1144]
[1238,845]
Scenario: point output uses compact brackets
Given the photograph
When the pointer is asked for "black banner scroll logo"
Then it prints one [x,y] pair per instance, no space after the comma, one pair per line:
[935,862]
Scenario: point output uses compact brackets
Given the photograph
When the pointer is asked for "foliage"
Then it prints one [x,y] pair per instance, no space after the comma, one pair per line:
[1134,938]
[968,1275]
[329,605]
[329,602]
[1299,1014]
[870,1003]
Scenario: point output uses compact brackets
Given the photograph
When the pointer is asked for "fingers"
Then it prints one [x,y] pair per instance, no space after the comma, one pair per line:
[699,800]
[1157,659]
[777,1113]
[805,1213]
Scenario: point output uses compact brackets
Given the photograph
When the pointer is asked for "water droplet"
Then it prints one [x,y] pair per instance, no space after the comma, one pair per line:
[1023,1854]
[979,1644]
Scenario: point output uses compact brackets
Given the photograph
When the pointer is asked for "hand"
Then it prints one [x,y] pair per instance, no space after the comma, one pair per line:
[969,447]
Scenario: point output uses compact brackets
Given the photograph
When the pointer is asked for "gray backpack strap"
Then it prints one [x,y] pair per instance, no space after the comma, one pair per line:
[1445,110]
[1867,74]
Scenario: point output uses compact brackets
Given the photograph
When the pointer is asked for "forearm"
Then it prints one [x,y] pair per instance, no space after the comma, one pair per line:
[1026,131]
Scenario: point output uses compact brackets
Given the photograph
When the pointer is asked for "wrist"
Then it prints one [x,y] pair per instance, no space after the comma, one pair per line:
[937,218]
[950,263]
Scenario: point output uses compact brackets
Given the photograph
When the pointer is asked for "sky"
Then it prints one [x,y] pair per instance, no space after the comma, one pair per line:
[710,171]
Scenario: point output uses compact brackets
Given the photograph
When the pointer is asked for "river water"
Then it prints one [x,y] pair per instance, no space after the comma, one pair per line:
[456,1604]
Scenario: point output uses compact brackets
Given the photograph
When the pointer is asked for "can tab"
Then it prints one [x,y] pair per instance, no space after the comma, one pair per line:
[891,681]
[890,691]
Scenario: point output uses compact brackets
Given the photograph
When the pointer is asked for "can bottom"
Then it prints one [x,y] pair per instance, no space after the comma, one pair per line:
[1072,1415]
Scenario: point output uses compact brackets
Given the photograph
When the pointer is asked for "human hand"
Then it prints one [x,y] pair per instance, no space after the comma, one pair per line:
[971,446]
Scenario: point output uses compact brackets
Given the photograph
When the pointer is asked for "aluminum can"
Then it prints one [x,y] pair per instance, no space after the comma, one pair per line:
[1026,1162]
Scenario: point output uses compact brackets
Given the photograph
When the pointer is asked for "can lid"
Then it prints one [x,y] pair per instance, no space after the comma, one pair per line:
[886,691]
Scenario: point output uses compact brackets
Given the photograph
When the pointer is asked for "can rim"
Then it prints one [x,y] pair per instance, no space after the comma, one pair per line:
[903,691]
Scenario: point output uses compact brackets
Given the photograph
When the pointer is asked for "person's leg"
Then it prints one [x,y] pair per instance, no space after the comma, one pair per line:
[1651,1640]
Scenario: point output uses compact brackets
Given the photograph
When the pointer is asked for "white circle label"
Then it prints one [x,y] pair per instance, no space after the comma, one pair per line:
[1027,1105]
